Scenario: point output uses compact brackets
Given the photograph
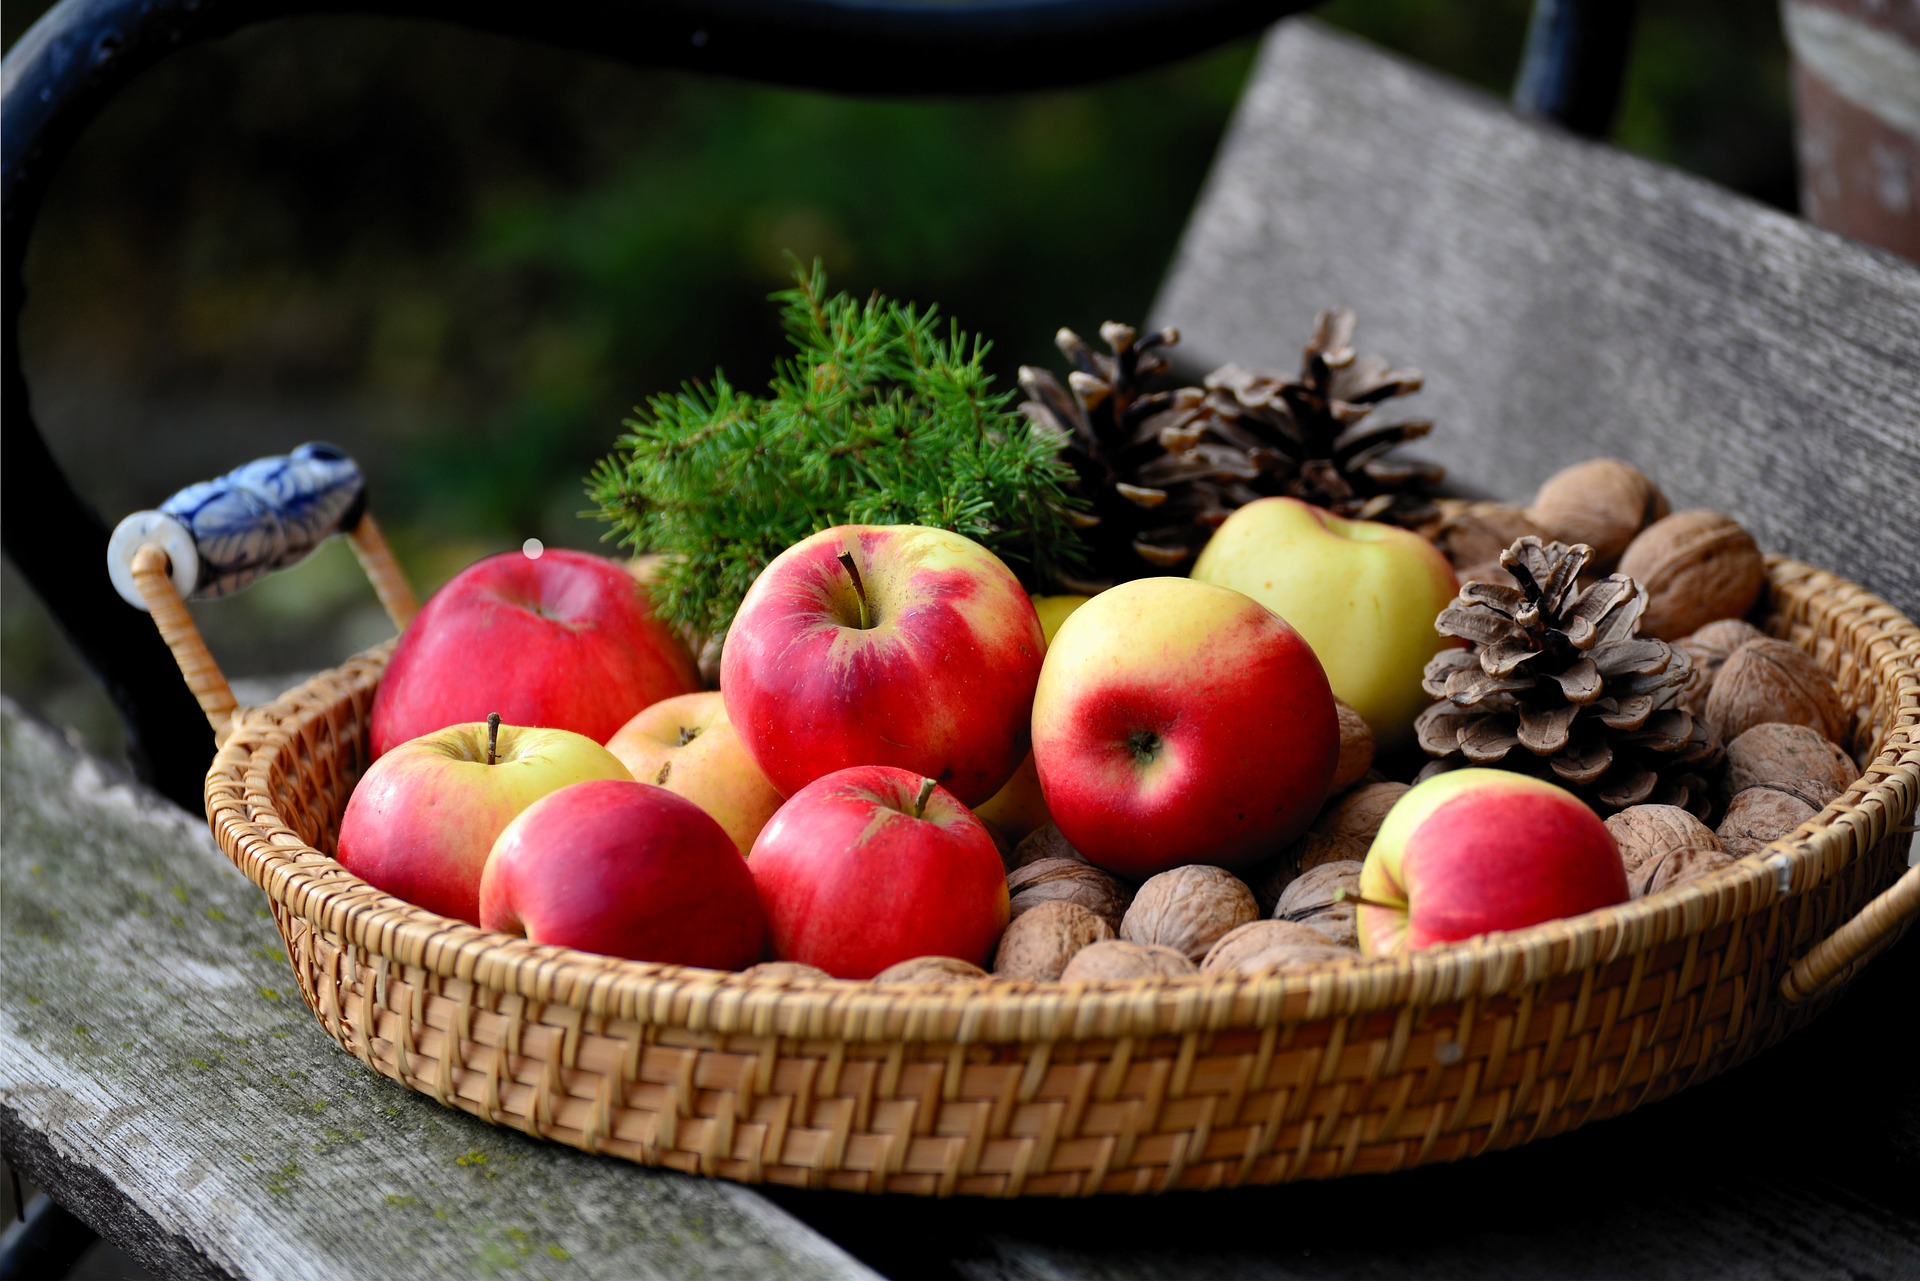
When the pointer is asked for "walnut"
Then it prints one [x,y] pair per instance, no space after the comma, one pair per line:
[1051,879]
[1758,817]
[1118,961]
[1708,649]
[1697,566]
[1795,759]
[932,970]
[1188,909]
[1346,828]
[1259,947]
[1676,866]
[1044,842]
[1356,749]
[1039,944]
[1314,900]
[1644,833]
[1773,680]
[784,972]
[1602,502]
[1477,533]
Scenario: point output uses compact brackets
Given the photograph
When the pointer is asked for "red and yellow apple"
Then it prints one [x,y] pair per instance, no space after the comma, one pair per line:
[421,820]
[563,640]
[1364,594]
[687,745]
[874,865]
[1019,807]
[625,869]
[1178,722]
[884,645]
[1474,850]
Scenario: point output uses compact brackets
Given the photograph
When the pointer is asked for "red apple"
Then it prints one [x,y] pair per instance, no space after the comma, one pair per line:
[1474,850]
[564,640]
[687,745]
[624,869]
[421,820]
[1179,722]
[884,645]
[874,865]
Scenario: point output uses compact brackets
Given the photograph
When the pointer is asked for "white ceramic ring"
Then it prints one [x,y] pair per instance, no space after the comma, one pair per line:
[164,532]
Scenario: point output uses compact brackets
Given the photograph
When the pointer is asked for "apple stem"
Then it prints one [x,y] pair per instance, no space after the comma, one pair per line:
[859,588]
[920,801]
[493,737]
[1347,895]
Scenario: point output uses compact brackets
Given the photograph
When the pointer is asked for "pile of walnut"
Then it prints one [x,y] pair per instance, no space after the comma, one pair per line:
[1780,717]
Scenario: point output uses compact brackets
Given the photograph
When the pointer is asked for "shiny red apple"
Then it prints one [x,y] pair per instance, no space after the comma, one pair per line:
[1179,722]
[625,869]
[563,640]
[874,865]
[884,645]
[1474,850]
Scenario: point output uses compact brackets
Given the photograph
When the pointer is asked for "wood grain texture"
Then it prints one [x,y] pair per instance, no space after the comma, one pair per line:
[163,1079]
[1564,300]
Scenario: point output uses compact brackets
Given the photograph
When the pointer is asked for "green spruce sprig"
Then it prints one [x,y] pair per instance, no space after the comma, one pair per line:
[877,419]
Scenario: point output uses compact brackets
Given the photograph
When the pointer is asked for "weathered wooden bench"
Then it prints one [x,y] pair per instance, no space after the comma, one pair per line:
[1564,300]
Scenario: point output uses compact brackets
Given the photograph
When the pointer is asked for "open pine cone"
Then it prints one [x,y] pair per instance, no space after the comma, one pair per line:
[1305,433]
[1110,429]
[1556,682]
[1163,469]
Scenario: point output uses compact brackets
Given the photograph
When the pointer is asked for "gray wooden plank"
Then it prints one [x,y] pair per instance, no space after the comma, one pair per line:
[162,1077]
[1564,300]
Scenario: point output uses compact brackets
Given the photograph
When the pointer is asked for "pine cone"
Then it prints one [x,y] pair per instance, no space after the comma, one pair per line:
[1562,674]
[1305,434]
[1117,436]
[1163,469]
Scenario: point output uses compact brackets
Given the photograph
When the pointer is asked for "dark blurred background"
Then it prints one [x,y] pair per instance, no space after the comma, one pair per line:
[465,259]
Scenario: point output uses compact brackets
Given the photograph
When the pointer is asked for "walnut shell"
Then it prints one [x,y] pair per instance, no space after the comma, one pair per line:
[932,970]
[1044,842]
[1039,945]
[1795,759]
[1356,749]
[1188,909]
[1477,533]
[1346,828]
[1697,567]
[1602,502]
[1260,947]
[1708,649]
[1049,879]
[1314,900]
[1644,833]
[1773,680]
[1118,961]
[1676,866]
[1758,817]
[784,971]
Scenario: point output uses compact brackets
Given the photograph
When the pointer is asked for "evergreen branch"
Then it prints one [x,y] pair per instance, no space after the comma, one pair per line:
[878,417]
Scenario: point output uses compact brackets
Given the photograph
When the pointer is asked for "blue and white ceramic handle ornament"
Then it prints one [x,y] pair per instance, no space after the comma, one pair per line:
[220,535]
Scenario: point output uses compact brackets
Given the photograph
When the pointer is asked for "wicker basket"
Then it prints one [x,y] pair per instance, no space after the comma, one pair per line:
[1003,1088]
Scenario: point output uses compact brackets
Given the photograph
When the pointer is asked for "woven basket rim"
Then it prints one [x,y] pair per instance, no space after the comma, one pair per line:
[313,886]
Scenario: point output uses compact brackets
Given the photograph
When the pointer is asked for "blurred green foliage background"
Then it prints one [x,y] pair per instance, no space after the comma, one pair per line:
[465,259]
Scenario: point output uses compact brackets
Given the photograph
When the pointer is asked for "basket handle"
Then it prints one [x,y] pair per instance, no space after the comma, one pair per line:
[217,536]
[1834,959]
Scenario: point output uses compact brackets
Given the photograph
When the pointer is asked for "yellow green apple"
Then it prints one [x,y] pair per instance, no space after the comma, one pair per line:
[1364,594]
[1474,850]
[687,745]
